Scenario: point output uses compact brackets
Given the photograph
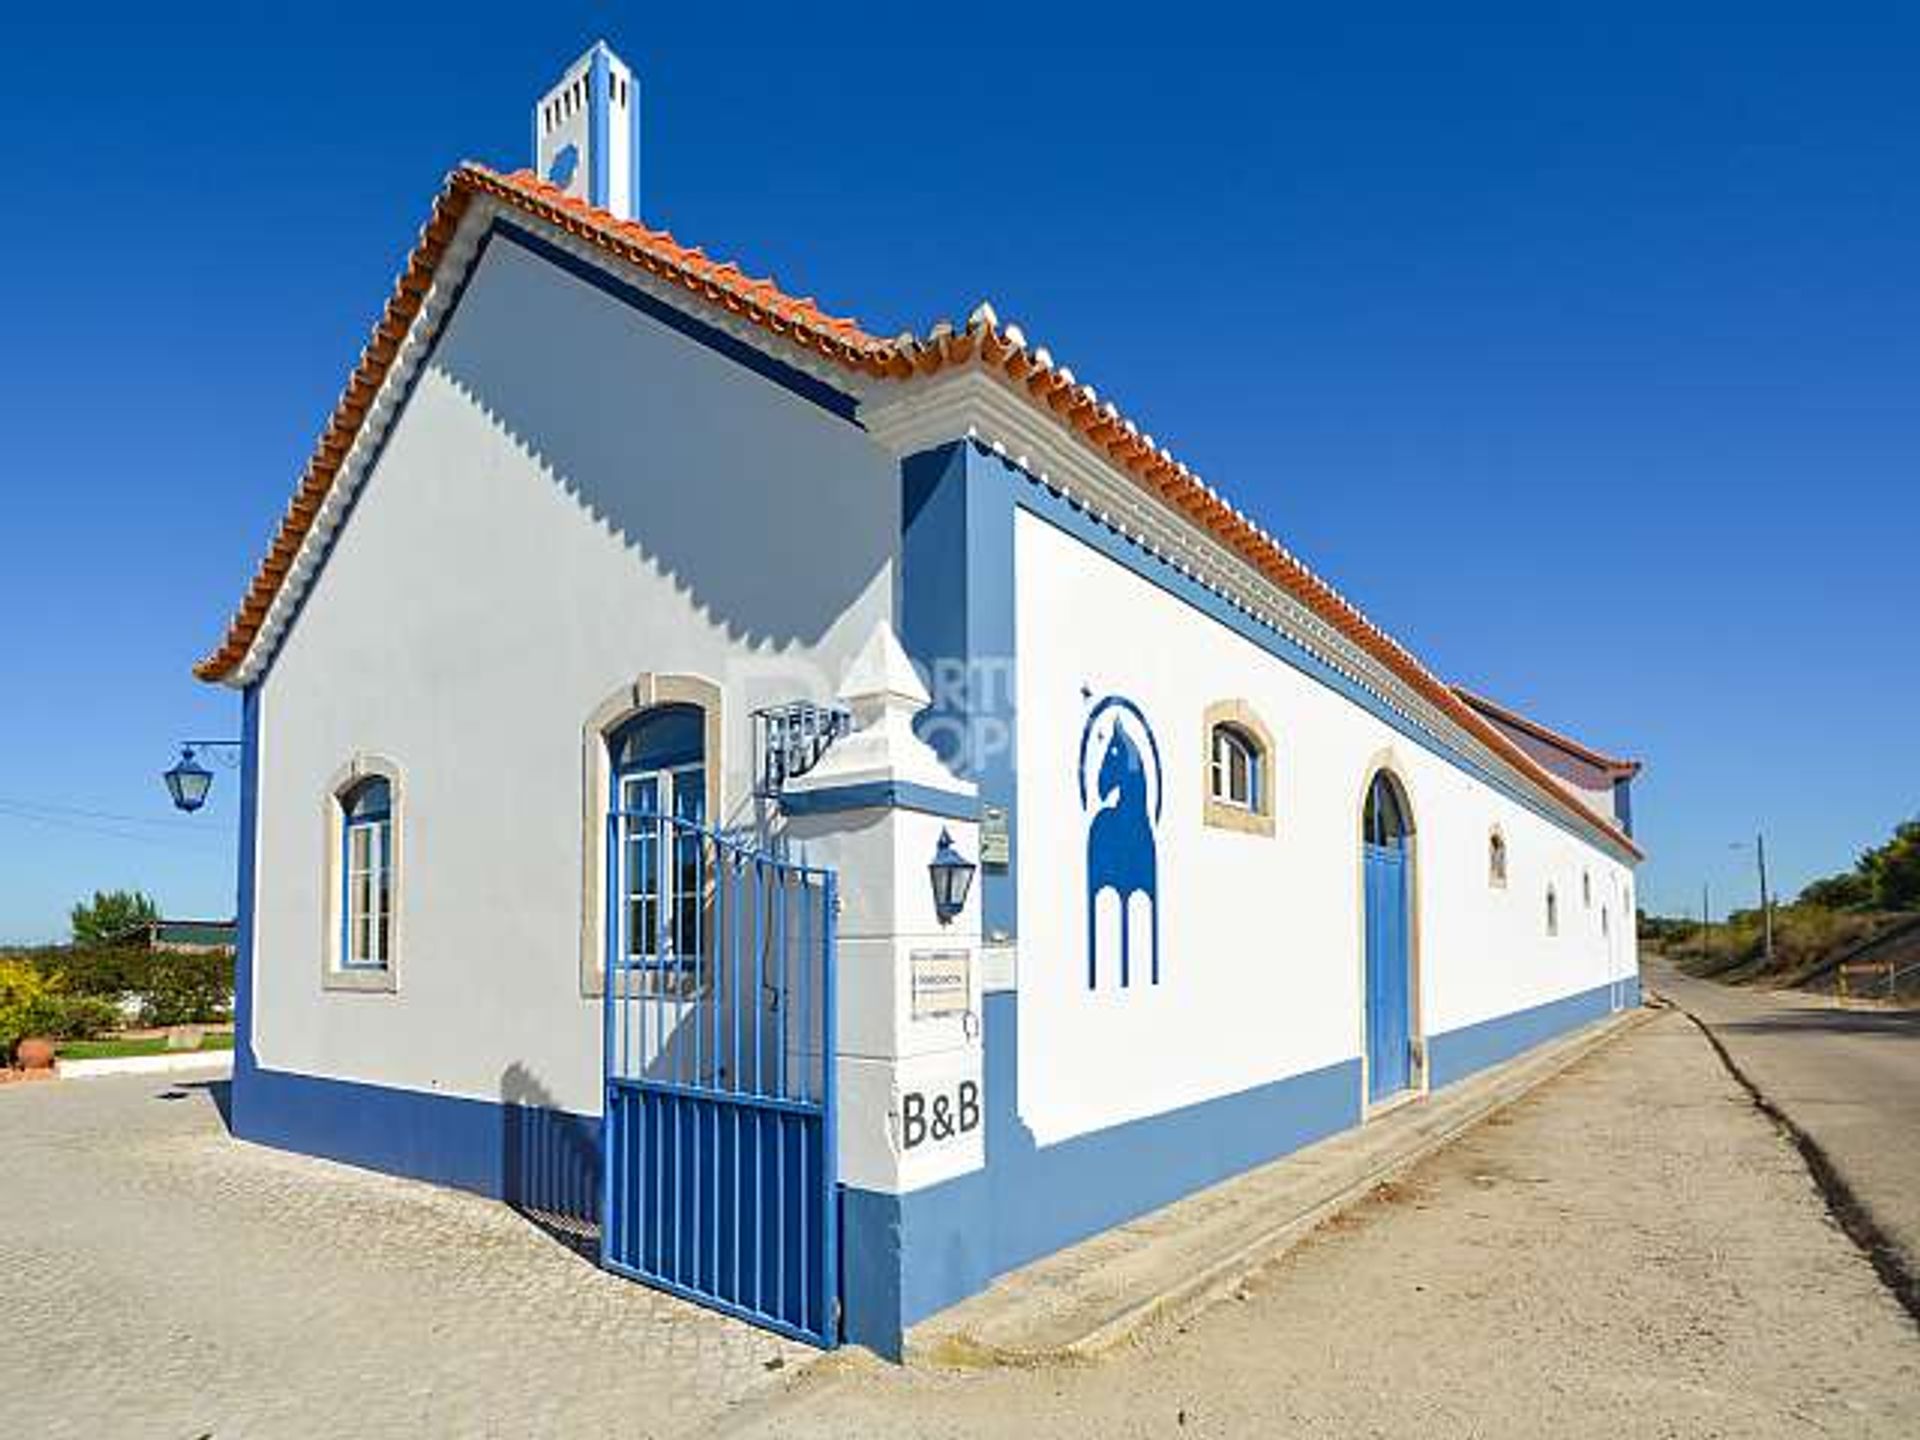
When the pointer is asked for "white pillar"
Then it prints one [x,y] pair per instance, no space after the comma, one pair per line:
[908,1037]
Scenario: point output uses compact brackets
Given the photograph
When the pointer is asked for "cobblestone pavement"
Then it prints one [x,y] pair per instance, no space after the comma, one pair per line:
[158,1278]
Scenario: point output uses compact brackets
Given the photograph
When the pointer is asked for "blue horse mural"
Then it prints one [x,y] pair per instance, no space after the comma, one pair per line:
[1121,852]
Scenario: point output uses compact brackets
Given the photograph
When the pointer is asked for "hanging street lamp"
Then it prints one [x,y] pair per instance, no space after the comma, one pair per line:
[188,781]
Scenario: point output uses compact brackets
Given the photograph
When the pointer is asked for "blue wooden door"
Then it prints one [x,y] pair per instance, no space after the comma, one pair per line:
[1389,973]
[717,1143]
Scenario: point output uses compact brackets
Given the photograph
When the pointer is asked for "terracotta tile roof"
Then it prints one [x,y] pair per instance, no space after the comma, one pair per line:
[1615,767]
[1100,424]
[722,283]
[984,341]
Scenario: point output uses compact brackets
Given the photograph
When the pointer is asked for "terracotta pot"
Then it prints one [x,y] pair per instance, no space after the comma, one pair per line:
[34,1053]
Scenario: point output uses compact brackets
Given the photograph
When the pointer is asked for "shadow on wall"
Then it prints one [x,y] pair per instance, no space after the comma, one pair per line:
[550,1162]
[772,515]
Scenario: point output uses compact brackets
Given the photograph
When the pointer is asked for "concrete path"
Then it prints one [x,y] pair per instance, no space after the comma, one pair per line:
[1848,1079]
[159,1279]
[1633,1250]
[1091,1296]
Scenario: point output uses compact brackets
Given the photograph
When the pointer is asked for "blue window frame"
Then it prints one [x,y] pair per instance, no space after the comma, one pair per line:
[366,869]
[659,778]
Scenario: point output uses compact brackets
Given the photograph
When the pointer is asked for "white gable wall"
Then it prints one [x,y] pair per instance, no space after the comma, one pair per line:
[574,495]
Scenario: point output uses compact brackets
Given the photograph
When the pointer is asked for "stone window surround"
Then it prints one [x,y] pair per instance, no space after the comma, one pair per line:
[334,975]
[645,691]
[1219,814]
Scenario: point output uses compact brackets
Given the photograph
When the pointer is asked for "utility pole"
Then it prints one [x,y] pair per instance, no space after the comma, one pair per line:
[1766,902]
[1706,923]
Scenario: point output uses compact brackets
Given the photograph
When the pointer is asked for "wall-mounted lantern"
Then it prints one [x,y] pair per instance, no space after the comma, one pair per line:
[189,781]
[952,877]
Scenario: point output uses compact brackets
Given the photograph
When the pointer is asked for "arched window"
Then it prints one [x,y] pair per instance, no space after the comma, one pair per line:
[1586,889]
[1497,859]
[1553,912]
[667,740]
[1239,782]
[658,762]
[367,870]
[1385,821]
[645,748]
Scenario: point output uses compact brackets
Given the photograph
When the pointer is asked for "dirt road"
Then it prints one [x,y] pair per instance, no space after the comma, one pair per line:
[1634,1250]
[1849,1079]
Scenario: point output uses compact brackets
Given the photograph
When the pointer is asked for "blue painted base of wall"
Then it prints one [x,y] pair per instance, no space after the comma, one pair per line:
[910,1255]
[532,1156]
[904,1257]
[1457,1054]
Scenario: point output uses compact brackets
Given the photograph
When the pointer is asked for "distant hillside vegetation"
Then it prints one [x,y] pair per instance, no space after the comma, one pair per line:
[1868,913]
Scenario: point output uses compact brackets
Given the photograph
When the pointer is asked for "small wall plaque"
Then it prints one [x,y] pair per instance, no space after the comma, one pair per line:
[942,982]
[996,848]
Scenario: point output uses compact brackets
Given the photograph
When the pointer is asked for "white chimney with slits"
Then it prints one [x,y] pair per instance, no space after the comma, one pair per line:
[586,133]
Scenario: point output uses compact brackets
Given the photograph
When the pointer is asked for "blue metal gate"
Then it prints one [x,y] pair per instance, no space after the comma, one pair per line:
[1389,1019]
[717,1142]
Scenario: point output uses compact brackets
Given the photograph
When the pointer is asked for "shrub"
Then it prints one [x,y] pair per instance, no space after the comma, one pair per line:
[178,988]
[1802,934]
[106,971]
[1851,891]
[77,1017]
[23,996]
[1661,931]
[172,987]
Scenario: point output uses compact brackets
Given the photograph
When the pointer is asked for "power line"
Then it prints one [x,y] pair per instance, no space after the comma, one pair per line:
[89,827]
[44,808]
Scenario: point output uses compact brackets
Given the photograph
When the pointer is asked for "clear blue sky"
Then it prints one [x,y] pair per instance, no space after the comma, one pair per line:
[1582,349]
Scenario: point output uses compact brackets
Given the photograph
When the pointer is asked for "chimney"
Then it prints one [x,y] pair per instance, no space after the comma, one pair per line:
[586,133]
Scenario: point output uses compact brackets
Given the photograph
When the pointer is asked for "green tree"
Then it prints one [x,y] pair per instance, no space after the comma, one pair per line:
[1851,891]
[110,914]
[1893,870]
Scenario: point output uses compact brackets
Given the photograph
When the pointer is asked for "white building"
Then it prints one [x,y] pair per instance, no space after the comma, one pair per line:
[1247,871]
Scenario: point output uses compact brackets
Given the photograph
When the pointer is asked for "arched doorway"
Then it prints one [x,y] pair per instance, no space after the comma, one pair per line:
[1386,836]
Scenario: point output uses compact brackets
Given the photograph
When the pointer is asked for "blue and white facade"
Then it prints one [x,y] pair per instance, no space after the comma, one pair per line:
[585,497]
